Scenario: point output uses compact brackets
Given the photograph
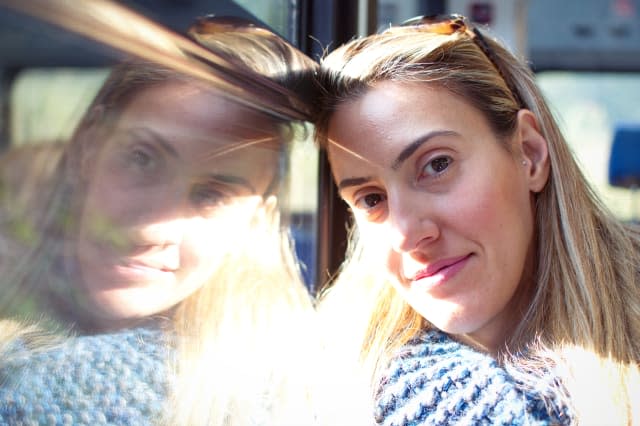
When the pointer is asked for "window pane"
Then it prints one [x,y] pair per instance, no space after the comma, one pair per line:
[276,13]
[588,107]
[146,210]
[46,104]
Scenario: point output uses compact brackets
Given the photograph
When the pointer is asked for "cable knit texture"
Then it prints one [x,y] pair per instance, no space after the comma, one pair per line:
[435,380]
[107,379]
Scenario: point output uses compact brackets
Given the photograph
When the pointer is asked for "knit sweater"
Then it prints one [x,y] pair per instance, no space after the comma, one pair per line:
[108,379]
[435,380]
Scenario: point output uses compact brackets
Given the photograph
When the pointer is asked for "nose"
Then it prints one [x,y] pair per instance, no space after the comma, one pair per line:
[412,221]
[164,232]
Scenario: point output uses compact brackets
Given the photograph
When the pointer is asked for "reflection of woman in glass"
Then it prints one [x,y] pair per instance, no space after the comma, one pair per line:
[163,249]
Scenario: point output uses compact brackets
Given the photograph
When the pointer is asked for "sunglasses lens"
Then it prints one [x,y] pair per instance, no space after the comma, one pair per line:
[212,24]
[451,24]
[437,24]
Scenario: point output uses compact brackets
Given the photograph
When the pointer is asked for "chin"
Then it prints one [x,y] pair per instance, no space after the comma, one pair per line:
[450,321]
[122,306]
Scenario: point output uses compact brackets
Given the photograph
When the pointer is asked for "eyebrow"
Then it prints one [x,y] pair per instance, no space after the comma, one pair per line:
[417,143]
[228,179]
[345,183]
[404,154]
[156,137]
[233,180]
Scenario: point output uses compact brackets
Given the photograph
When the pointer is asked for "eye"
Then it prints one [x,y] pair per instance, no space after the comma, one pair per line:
[437,166]
[372,200]
[140,158]
[206,196]
[370,204]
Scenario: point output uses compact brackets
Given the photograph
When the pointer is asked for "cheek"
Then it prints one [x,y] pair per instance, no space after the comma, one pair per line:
[203,242]
[500,219]
[491,205]
[376,239]
[103,199]
[393,263]
[207,240]
[100,214]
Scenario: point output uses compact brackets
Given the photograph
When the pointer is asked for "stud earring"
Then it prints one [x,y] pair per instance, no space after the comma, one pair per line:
[524,162]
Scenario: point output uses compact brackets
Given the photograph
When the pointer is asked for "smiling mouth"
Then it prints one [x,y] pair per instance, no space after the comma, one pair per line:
[142,266]
[441,268]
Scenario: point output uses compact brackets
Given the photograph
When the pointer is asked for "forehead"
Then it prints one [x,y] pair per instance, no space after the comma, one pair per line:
[207,132]
[392,115]
[199,112]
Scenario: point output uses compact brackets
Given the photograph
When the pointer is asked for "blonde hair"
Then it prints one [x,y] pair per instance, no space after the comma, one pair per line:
[243,340]
[584,318]
[248,365]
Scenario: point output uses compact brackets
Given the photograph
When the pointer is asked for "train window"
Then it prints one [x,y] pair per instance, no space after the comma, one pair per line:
[279,14]
[158,182]
[46,104]
[48,86]
[589,106]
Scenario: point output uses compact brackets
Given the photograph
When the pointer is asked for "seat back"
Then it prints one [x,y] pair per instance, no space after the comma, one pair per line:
[624,162]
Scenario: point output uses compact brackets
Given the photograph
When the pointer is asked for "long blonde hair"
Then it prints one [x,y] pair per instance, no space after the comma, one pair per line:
[247,335]
[584,318]
[243,340]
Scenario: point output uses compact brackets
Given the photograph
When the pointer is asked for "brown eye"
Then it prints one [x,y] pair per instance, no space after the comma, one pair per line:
[138,163]
[372,200]
[437,165]
[141,158]
[371,205]
[205,196]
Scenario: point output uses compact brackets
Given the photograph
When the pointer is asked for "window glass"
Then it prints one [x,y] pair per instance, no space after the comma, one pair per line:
[150,184]
[589,107]
[276,13]
[47,103]
[391,12]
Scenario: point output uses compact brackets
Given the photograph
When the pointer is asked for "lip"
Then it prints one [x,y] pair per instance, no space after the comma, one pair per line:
[143,265]
[134,270]
[110,268]
[438,272]
[141,257]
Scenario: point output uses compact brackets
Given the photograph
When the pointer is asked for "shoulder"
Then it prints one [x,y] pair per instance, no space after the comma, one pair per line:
[108,378]
[437,380]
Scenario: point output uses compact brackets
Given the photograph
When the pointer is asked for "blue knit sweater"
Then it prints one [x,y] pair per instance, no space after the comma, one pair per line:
[108,379]
[435,380]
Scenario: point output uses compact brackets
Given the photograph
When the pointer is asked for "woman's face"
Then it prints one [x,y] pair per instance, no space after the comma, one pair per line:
[447,206]
[166,195]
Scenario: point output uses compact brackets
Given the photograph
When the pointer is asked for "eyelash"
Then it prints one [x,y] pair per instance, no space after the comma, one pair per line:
[373,212]
[369,212]
[207,196]
[139,161]
[141,157]
[435,174]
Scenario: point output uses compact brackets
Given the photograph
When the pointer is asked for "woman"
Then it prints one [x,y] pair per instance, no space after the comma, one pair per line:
[163,249]
[474,223]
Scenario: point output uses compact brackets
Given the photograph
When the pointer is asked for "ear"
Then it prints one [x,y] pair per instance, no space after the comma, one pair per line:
[267,209]
[270,205]
[533,149]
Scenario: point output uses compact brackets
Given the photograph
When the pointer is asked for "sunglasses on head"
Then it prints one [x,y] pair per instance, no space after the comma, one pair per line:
[453,24]
[214,24]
